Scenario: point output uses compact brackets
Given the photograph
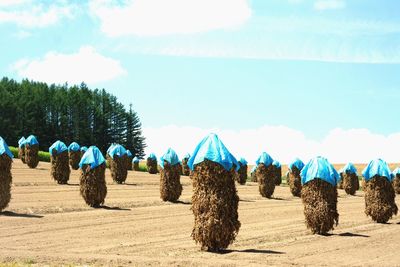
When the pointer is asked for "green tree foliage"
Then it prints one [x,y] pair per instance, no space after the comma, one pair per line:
[70,114]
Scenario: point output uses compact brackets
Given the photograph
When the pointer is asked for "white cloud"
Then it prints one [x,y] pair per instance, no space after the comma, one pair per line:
[329,4]
[86,65]
[282,143]
[34,14]
[160,17]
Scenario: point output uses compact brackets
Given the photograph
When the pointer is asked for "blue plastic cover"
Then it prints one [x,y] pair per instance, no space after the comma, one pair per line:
[116,150]
[92,157]
[110,147]
[377,167]
[243,161]
[170,157]
[395,172]
[212,148]
[129,153]
[187,156]
[31,140]
[135,160]
[265,158]
[84,148]
[319,167]
[5,149]
[349,168]
[74,146]
[296,163]
[152,156]
[21,142]
[58,146]
[276,164]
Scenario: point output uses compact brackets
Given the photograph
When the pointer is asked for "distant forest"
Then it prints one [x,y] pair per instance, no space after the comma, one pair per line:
[75,113]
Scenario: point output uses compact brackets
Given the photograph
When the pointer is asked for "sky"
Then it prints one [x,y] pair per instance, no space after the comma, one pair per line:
[293,78]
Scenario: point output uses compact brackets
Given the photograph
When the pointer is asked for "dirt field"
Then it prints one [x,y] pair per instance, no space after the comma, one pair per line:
[50,224]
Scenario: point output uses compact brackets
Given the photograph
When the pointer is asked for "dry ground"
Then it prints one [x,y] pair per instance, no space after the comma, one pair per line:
[50,224]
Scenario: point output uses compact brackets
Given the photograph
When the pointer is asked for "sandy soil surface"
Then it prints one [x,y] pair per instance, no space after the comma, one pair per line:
[50,224]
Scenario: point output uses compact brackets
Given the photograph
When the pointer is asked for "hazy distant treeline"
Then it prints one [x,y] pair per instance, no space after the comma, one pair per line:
[76,113]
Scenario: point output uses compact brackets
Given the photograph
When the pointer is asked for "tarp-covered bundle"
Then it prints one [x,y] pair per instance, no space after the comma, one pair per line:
[151,164]
[253,177]
[396,180]
[74,146]
[265,174]
[241,176]
[5,174]
[294,180]
[278,172]
[185,167]
[93,186]
[319,195]
[129,159]
[21,149]
[171,157]
[170,175]
[117,159]
[32,151]
[74,155]
[214,201]
[349,179]
[59,162]
[379,192]
[57,147]
[212,149]
[4,149]
[135,163]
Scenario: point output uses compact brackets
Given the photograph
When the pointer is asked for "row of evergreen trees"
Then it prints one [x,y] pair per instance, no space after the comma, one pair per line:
[75,113]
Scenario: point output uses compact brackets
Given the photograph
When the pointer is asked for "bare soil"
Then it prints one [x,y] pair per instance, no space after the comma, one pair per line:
[50,224]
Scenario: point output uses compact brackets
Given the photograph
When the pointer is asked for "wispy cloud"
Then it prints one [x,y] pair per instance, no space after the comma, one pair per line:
[35,14]
[287,38]
[87,65]
[159,17]
[283,143]
[329,4]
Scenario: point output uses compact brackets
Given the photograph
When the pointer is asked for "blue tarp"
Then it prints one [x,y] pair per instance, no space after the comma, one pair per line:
[31,140]
[21,142]
[4,148]
[74,146]
[110,147]
[84,149]
[243,161]
[296,163]
[170,157]
[135,160]
[395,172]
[265,158]
[152,156]
[277,164]
[116,150]
[58,146]
[319,167]
[377,167]
[92,157]
[212,148]
[129,153]
[349,168]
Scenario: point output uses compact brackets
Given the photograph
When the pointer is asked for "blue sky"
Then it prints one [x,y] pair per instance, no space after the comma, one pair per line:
[325,70]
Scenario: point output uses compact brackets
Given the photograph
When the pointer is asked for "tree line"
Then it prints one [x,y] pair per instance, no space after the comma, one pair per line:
[67,113]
